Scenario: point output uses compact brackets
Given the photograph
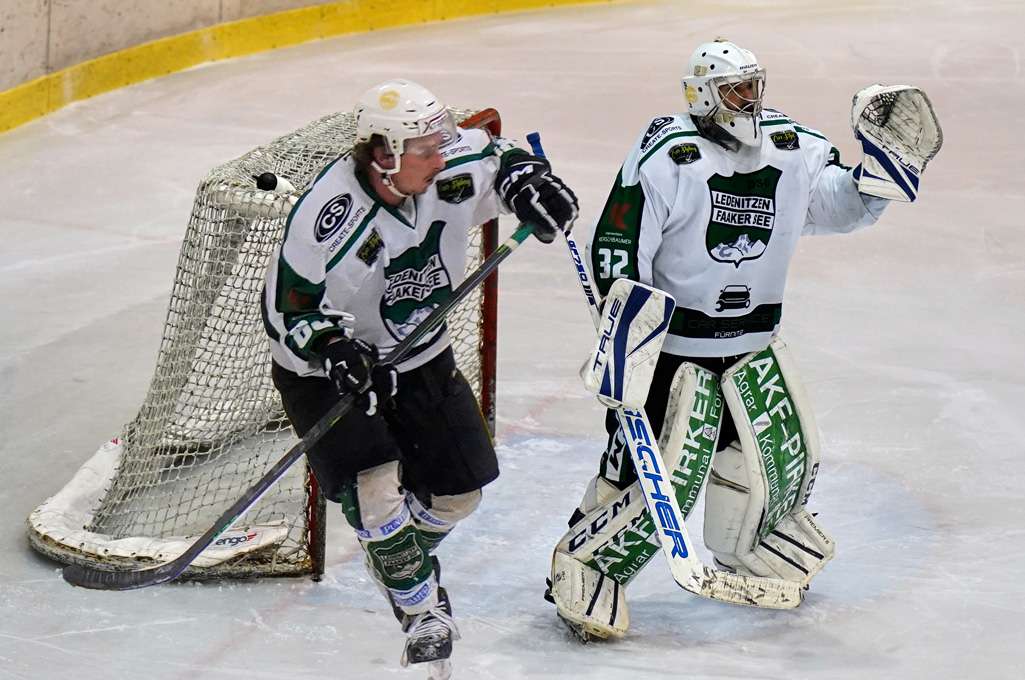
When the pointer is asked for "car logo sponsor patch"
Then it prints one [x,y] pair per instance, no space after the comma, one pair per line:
[786,140]
[370,248]
[682,154]
[332,216]
[733,296]
[455,189]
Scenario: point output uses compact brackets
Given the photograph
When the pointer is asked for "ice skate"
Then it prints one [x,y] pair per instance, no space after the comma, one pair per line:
[429,638]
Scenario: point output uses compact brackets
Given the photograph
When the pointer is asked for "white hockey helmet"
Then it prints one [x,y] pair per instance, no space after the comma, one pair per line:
[400,110]
[716,89]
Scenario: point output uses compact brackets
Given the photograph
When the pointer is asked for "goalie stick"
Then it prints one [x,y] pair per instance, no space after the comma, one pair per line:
[90,577]
[687,570]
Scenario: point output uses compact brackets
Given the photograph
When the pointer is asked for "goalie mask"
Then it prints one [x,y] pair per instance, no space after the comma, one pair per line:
[401,111]
[724,86]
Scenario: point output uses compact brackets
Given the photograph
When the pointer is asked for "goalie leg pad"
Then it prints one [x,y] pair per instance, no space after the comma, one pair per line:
[590,601]
[635,320]
[755,517]
[613,532]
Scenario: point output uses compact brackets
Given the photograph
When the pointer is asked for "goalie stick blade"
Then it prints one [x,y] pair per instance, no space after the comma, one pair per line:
[98,579]
[749,591]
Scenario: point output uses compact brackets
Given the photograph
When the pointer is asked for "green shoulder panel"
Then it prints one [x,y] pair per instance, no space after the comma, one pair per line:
[295,293]
[616,237]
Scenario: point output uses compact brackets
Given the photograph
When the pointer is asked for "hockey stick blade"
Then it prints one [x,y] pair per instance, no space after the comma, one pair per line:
[103,579]
[687,570]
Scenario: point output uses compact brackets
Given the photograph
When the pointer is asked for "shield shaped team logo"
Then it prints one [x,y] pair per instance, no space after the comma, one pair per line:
[743,215]
[402,560]
[416,281]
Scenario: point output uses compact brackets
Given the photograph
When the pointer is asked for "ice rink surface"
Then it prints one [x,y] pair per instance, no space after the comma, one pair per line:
[909,336]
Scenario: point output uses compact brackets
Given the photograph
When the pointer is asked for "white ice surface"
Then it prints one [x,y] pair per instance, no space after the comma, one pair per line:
[909,335]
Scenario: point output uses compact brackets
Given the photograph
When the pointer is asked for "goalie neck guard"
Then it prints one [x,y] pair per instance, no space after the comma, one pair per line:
[724,86]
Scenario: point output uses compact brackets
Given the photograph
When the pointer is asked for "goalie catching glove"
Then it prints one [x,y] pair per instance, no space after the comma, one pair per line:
[352,366]
[899,134]
[536,196]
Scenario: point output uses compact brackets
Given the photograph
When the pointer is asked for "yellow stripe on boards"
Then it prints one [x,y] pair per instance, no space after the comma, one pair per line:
[51,92]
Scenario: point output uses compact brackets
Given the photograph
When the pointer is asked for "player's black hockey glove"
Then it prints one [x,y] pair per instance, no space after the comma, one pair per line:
[352,366]
[535,195]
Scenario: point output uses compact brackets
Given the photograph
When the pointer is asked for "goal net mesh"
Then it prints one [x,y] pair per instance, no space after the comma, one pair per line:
[212,422]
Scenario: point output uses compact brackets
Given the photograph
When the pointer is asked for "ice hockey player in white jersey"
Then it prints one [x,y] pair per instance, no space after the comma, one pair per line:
[376,242]
[708,207]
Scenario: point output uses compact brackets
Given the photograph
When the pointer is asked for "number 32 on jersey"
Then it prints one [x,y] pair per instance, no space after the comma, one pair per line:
[612,263]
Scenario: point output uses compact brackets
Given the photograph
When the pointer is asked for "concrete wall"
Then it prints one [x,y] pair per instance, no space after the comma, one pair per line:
[24,34]
[38,37]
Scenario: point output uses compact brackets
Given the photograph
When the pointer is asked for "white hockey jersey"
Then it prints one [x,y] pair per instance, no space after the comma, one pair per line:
[716,229]
[346,251]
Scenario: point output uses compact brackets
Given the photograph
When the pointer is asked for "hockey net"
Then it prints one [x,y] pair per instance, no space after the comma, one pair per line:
[212,422]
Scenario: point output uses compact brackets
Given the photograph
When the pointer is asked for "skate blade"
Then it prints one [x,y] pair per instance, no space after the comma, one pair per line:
[439,670]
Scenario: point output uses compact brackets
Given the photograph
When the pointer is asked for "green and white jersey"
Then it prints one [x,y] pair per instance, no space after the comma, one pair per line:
[346,251]
[716,229]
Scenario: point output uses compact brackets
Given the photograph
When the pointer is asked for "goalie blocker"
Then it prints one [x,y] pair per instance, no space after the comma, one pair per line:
[756,522]
[635,319]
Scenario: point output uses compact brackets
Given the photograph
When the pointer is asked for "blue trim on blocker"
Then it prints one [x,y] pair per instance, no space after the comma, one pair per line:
[667,313]
[606,387]
[634,304]
[895,174]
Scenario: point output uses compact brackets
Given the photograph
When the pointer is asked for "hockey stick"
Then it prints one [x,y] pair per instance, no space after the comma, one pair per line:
[90,577]
[687,570]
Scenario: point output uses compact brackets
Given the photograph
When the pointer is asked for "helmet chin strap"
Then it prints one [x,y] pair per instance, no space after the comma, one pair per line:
[386,180]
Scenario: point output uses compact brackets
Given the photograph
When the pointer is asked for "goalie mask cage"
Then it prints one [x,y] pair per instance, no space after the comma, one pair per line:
[212,422]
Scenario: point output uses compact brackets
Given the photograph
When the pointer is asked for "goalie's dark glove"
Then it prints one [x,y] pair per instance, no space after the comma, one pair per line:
[352,366]
[536,196]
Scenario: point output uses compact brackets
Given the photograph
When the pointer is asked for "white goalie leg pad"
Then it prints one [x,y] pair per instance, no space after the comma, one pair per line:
[615,535]
[796,549]
[635,319]
[899,134]
[612,532]
[755,516]
[588,598]
[606,533]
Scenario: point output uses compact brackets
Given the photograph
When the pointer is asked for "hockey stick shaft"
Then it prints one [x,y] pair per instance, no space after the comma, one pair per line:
[90,577]
[660,498]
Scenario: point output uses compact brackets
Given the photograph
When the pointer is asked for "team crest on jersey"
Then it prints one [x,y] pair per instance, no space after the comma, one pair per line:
[656,126]
[786,140]
[682,154]
[743,215]
[415,283]
[370,248]
[332,216]
[455,189]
